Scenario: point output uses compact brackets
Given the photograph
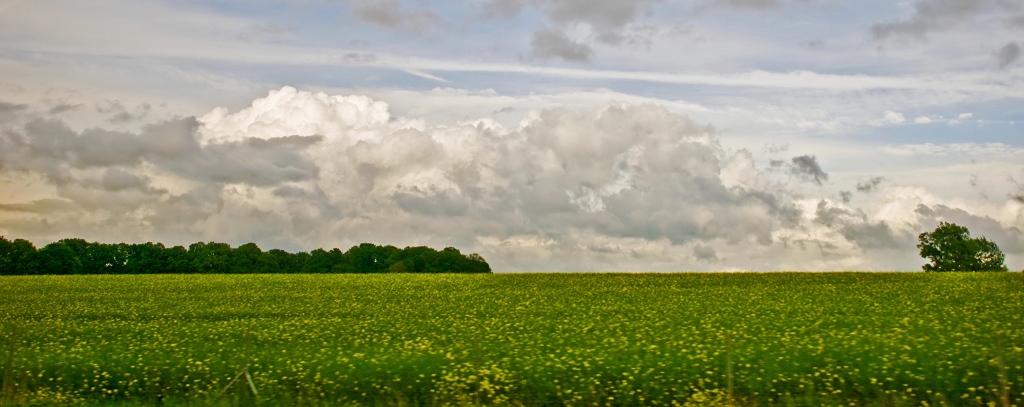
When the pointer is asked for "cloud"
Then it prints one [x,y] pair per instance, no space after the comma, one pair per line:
[616,187]
[1010,240]
[610,22]
[62,108]
[751,4]
[622,174]
[389,14]
[42,206]
[359,57]
[603,15]
[1015,22]
[982,149]
[11,107]
[855,226]
[939,15]
[1008,54]
[774,148]
[805,166]
[1018,193]
[120,114]
[892,117]
[813,44]
[922,120]
[51,148]
[505,8]
[705,253]
[550,43]
[115,179]
[870,184]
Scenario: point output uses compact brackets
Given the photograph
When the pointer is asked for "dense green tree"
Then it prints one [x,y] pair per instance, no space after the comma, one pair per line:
[6,254]
[286,262]
[177,260]
[367,258]
[8,257]
[74,256]
[57,258]
[950,248]
[145,258]
[104,259]
[17,257]
[322,261]
[410,259]
[244,258]
[267,263]
[212,257]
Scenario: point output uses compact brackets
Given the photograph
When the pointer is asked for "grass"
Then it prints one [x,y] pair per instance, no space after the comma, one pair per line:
[523,339]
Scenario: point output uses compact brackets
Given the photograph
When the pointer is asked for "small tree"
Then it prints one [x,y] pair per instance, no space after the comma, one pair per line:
[951,248]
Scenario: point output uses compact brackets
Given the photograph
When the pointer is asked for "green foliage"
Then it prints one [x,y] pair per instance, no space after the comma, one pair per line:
[800,339]
[57,258]
[77,256]
[950,248]
[17,257]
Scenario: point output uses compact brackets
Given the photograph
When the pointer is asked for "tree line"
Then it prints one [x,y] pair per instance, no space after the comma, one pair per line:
[77,256]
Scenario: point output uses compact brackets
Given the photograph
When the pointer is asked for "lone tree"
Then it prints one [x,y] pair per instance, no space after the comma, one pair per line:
[951,248]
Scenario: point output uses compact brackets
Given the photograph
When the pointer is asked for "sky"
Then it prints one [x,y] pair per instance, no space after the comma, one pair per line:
[545,135]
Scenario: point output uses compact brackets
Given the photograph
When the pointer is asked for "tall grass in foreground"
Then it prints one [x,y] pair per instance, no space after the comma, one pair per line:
[538,339]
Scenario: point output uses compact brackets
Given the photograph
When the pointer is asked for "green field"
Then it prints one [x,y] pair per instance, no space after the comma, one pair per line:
[521,339]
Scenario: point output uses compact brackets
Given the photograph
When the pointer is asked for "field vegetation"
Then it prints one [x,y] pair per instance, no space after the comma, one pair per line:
[520,339]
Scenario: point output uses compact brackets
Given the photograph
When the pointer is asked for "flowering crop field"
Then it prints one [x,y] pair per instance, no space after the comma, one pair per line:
[515,339]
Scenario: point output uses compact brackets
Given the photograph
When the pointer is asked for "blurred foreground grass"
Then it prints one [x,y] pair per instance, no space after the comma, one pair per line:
[521,339]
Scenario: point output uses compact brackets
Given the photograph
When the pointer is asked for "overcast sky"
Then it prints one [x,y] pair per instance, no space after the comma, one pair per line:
[566,135]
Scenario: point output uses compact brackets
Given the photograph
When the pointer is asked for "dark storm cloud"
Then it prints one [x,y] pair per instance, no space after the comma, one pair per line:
[252,161]
[52,140]
[705,253]
[551,43]
[870,184]
[808,167]
[51,148]
[11,107]
[855,226]
[1008,54]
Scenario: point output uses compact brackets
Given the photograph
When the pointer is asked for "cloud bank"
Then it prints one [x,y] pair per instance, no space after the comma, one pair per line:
[621,187]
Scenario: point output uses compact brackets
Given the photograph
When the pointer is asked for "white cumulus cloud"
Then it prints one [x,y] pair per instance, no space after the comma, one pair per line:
[618,187]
